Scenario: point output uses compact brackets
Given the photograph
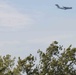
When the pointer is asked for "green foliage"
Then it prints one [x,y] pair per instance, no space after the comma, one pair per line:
[56,60]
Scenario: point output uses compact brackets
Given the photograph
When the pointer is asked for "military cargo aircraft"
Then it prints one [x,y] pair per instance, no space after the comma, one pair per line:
[64,8]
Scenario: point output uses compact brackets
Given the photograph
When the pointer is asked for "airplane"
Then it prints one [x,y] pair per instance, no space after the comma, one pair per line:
[64,8]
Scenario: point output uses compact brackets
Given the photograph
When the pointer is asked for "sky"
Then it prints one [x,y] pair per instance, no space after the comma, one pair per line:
[29,25]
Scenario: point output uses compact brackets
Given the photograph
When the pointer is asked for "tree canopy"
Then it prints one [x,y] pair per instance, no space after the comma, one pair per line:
[56,60]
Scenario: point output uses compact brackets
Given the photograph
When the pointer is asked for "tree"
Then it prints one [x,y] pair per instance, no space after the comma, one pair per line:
[55,61]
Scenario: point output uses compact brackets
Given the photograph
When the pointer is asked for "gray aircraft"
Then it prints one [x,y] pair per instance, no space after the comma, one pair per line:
[64,8]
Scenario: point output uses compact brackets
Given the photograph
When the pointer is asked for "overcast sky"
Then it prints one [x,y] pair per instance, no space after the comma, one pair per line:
[29,25]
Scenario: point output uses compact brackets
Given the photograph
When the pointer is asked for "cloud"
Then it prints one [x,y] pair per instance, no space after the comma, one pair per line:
[48,39]
[11,17]
[9,43]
